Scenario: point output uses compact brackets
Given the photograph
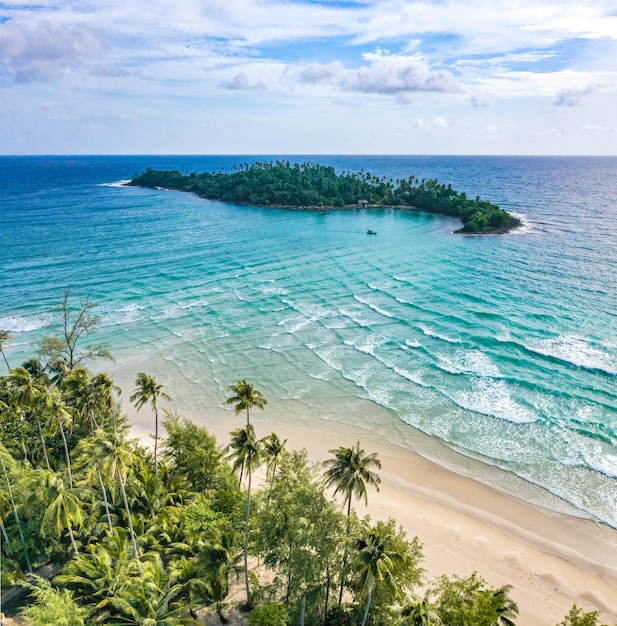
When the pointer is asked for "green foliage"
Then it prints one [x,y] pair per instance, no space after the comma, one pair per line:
[340,615]
[470,602]
[271,614]
[405,569]
[53,606]
[245,397]
[299,530]
[195,455]
[282,183]
[577,617]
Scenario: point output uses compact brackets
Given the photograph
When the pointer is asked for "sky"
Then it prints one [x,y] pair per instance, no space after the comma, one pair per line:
[278,77]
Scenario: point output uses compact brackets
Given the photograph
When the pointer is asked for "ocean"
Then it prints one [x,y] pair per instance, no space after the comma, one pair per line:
[495,356]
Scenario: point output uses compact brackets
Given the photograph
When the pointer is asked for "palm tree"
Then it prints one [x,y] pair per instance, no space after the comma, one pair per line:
[27,389]
[152,599]
[79,393]
[148,390]
[245,398]
[219,559]
[101,570]
[246,453]
[4,337]
[274,448]
[114,457]
[506,608]
[58,415]
[9,489]
[419,613]
[374,563]
[64,506]
[104,390]
[350,472]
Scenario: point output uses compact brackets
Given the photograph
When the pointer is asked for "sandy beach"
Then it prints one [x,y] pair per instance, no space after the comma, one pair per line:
[552,560]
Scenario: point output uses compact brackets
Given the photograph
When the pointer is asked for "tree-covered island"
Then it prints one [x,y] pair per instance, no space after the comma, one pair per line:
[285,184]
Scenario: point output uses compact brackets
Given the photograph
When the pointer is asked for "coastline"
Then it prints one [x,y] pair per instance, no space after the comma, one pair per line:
[552,560]
[512,224]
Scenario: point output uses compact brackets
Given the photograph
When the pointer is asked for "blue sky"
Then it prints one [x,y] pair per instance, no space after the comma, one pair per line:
[309,77]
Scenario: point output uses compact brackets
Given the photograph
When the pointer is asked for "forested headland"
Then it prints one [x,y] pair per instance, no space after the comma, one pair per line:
[98,529]
[285,184]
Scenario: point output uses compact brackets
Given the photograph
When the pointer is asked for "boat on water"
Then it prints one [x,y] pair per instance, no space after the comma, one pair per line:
[371,232]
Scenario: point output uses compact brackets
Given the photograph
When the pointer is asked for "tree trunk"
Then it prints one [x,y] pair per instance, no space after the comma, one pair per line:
[246,542]
[66,452]
[340,595]
[111,528]
[7,363]
[302,610]
[366,608]
[21,532]
[325,611]
[130,522]
[7,541]
[156,441]
[44,446]
[71,535]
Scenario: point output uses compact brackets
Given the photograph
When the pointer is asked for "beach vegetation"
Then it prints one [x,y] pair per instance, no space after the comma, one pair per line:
[419,613]
[148,390]
[577,617]
[349,472]
[270,614]
[5,336]
[53,606]
[246,453]
[460,601]
[285,184]
[115,541]
[245,398]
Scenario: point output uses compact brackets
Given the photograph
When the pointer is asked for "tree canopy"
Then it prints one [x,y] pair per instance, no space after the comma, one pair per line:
[286,184]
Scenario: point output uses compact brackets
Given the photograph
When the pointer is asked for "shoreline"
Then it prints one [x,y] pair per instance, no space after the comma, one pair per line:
[513,223]
[551,559]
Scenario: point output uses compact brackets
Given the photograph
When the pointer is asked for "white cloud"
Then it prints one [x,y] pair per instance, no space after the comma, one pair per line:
[384,74]
[47,50]
[240,82]
[440,122]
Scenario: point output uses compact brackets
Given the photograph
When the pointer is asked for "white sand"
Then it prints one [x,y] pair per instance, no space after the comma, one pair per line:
[551,560]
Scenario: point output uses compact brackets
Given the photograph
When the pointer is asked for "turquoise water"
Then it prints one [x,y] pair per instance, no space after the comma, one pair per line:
[502,349]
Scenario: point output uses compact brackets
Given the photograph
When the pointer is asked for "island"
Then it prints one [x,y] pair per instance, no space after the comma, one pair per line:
[310,185]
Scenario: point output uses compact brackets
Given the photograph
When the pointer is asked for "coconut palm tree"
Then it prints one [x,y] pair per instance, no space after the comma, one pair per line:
[104,390]
[64,507]
[506,608]
[245,397]
[374,563]
[57,415]
[419,613]
[9,489]
[350,472]
[218,561]
[101,569]
[274,448]
[80,394]
[27,390]
[114,456]
[246,453]
[4,337]
[148,390]
[152,599]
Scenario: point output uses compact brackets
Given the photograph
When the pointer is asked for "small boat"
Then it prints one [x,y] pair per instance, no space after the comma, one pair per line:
[371,232]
